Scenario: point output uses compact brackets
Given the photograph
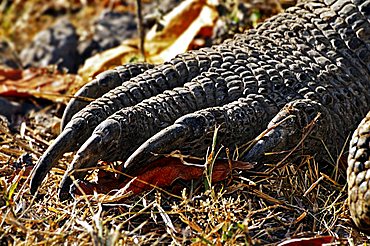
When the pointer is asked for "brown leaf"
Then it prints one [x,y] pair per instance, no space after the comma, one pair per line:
[110,58]
[180,27]
[161,173]
[38,82]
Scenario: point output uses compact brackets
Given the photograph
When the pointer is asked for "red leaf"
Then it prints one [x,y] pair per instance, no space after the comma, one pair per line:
[316,241]
[162,173]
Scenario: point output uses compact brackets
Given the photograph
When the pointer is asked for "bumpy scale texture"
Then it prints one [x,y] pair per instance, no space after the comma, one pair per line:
[358,174]
[305,71]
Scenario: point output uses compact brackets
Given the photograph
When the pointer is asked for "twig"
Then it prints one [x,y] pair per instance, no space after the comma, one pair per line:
[140,28]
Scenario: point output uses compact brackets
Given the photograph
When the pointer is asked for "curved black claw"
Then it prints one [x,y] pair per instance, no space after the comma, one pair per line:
[86,157]
[100,144]
[192,134]
[162,142]
[64,142]
[290,126]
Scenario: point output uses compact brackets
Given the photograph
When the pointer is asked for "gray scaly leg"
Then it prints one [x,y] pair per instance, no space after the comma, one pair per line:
[103,83]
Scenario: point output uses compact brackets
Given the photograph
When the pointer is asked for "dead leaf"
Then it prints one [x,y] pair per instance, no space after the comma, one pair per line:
[180,27]
[44,83]
[160,173]
[314,241]
[108,59]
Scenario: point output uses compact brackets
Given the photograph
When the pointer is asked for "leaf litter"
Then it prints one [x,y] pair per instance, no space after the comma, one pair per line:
[299,199]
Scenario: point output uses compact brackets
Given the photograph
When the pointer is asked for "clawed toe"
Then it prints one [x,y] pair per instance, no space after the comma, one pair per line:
[298,120]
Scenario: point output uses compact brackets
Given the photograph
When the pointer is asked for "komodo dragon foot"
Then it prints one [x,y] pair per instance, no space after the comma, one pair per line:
[305,70]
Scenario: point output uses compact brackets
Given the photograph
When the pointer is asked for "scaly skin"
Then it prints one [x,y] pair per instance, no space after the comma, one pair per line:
[152,82]
[303,72]
[358,175]
[102,84]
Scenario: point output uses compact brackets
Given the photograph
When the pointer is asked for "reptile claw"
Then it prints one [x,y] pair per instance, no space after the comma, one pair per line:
[86,157]
[289,126]
[97,147]
[268,143]
[55,151]
[162,142]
